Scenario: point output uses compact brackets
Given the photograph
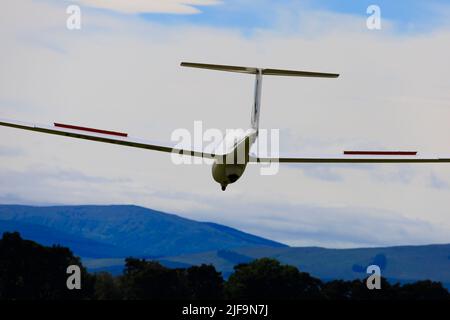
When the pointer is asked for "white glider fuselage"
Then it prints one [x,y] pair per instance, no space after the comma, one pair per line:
[229,169]
[230,166]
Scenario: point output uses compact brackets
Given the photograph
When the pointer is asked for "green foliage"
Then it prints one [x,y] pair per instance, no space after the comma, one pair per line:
[423,290]
[357,290]
[150,280]
[205,282]
[31,271]
[268,279]
[107,287]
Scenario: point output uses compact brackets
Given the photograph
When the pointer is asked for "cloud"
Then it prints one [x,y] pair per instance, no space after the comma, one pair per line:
[150,6]
[345,227]
[437,182]
[323,172]
[10,151]
[32,184]
[123,73]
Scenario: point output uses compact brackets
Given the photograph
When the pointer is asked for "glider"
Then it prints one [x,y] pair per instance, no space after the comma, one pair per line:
[227,168]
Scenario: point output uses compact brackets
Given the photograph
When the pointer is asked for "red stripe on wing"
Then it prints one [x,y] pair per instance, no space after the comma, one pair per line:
[69,126]
[381,153]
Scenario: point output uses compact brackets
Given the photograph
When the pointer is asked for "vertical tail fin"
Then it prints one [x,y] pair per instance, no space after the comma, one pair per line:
[259,72]
[257,101]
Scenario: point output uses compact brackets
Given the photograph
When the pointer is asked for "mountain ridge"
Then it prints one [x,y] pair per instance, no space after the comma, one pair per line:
[104,235]
[129,228]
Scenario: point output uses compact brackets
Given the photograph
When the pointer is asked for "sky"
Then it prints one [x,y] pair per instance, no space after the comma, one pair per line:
[121,71]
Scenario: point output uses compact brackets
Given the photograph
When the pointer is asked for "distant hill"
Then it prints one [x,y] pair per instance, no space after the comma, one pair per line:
[401,263]
[104,235]
[83,247]
[121,231]
[398,264]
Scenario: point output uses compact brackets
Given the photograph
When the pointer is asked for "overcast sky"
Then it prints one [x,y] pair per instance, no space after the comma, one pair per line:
[121,72]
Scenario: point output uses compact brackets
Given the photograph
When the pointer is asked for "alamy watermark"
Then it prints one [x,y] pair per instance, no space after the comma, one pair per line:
[73,21]
[74,280]
[234,146]
[373,22]
[374,280]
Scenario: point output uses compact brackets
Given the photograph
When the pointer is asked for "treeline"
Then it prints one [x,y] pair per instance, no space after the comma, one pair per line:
[31,271]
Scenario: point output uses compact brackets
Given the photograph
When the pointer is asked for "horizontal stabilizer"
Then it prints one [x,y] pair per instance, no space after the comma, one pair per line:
[253,70]
[293,73]
[220,67]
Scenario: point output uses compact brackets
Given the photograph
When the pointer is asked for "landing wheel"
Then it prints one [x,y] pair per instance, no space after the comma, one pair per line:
[224,187]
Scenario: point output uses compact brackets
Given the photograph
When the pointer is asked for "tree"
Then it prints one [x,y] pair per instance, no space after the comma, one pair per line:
[424,290]
[268,279]
[357,290]
[204,282]
[337,290]
[150,280]
[107,287]
[31,271]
